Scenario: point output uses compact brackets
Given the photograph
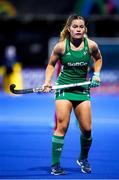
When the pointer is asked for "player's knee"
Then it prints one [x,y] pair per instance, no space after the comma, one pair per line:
[87,134]
[87,128]
[61,129]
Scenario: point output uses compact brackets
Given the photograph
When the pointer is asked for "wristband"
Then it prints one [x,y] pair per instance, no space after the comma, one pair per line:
[97,74]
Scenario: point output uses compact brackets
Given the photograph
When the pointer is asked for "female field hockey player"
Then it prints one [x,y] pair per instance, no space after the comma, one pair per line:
[75,51]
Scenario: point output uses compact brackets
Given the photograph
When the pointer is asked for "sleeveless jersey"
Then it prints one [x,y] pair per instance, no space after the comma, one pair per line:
[74,70]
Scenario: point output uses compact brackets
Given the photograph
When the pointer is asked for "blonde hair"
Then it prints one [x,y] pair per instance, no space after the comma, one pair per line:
[65,33]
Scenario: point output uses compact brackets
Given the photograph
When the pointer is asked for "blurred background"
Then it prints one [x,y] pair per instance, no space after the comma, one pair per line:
[29,30]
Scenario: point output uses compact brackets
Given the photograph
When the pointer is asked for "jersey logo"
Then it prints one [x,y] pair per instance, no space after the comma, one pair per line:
[77,64]
[85,52]
[68,54]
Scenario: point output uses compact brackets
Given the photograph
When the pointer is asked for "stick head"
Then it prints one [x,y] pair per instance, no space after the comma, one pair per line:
[12,87]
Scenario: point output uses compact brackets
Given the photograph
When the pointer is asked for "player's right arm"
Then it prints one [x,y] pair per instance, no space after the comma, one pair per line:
[55,55]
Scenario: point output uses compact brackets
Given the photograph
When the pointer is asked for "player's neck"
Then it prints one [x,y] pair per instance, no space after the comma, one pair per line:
[76,42]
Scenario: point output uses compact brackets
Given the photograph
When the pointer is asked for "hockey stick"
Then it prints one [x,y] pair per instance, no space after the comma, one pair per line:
[35,90]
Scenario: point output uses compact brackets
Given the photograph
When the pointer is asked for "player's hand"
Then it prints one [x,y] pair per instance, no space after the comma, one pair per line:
[46,87]
[95,81]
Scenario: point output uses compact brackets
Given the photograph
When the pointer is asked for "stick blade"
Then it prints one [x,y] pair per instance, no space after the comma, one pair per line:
[12,88]
[20,91]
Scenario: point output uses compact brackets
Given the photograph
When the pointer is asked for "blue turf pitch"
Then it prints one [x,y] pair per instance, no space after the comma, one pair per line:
[25,138]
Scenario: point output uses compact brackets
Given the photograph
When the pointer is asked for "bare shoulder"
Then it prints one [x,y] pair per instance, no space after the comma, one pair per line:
[94,50]
[93,46]
[59,48]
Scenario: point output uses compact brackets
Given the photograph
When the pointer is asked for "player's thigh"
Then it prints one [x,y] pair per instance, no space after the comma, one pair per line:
[63,110]
[83,114]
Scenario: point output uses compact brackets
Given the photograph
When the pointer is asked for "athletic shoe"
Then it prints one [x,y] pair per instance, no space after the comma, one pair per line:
[57,170]
[85,166]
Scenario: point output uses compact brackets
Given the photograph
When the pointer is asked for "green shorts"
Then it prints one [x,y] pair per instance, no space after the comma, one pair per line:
[74,94]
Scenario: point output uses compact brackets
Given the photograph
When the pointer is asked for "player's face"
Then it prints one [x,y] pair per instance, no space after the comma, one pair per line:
[77,29]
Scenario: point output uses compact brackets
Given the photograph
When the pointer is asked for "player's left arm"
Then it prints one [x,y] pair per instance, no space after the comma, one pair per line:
[97,65]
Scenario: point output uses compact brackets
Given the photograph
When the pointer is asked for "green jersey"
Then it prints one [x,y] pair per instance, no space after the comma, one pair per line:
[74,70]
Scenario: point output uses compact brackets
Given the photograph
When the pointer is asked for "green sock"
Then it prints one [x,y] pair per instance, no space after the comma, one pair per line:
[57,146]
[85,146]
